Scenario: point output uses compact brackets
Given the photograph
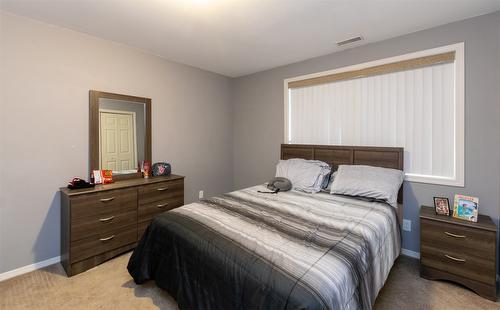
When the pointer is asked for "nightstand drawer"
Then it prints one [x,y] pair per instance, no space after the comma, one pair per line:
[475,242]
[458,263]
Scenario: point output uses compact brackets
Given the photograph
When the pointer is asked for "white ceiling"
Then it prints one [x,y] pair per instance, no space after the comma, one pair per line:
[239,37]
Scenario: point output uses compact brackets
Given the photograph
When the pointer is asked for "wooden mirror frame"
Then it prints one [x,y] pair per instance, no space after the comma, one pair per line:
[94,97]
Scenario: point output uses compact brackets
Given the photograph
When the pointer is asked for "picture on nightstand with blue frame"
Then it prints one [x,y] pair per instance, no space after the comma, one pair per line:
[466,208]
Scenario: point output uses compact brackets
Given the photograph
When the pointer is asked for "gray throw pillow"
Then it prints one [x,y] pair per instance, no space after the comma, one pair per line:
[367,181]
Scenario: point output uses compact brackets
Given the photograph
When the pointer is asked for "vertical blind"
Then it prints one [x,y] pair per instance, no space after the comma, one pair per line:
[413,108]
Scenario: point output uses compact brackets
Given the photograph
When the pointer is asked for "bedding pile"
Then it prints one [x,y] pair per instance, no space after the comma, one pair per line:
[246,250]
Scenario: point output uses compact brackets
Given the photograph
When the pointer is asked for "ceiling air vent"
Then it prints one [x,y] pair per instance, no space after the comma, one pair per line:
[349,41]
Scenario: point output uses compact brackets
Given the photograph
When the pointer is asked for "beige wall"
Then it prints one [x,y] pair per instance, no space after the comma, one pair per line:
[46,73]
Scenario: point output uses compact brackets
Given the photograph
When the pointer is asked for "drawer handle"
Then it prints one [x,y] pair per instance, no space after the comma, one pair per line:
[161,189]
[462,260]
[162,205]
[108,219]
[107,199]
[108,238]
[453,235]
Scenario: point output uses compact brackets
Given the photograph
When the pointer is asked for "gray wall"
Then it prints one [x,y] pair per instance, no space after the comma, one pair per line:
[258,113]
[46,74]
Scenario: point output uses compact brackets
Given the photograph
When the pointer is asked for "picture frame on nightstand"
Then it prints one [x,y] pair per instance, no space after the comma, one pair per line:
[442,206]
[466,208]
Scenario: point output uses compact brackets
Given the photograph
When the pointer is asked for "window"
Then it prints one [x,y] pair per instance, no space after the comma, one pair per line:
[415,101]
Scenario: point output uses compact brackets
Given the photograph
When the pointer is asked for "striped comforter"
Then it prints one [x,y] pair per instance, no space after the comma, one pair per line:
[248,250]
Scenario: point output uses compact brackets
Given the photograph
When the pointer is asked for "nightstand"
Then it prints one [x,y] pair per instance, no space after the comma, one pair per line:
[459,251]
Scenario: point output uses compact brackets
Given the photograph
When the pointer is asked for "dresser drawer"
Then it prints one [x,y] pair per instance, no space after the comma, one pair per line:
[103,204]
[474,242]
[161,191]
[458,263]
[141,228]
[150,210]
[103,242]
[97,225]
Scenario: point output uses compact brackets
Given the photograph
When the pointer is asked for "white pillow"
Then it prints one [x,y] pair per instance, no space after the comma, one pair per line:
[367,181]
[305,175]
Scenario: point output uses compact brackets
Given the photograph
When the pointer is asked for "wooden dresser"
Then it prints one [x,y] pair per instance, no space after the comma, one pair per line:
[459,251]
[102,222]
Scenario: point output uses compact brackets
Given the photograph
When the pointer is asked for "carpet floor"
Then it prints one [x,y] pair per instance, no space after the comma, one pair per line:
[109,286]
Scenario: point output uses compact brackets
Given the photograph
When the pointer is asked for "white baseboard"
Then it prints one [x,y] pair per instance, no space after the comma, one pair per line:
[28,268]
[410,253]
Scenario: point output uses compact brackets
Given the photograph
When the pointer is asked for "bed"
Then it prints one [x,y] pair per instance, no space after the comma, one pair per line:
[293,250]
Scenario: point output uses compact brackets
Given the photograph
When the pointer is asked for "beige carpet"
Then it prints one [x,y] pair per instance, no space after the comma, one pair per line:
[109,286]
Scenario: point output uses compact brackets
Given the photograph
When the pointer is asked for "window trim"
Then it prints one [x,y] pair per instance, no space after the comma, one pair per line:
[458,48]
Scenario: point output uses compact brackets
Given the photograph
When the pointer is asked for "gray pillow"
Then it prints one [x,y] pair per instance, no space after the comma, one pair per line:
[305,175]
[367,181]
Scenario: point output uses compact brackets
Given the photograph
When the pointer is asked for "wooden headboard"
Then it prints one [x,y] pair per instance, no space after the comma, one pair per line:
[335,155]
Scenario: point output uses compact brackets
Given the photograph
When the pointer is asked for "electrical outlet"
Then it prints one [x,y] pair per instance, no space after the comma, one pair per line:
[200,195]
[406,225]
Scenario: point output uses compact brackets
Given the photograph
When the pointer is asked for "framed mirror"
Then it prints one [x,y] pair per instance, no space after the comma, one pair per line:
[120,133]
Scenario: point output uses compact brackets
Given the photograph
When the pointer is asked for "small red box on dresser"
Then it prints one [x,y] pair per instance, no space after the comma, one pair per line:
[460,251]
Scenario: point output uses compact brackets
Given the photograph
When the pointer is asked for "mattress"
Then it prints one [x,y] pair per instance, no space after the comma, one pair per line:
[291,250]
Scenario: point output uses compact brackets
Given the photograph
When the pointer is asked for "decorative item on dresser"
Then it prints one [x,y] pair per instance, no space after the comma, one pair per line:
[102,222]
[460,251]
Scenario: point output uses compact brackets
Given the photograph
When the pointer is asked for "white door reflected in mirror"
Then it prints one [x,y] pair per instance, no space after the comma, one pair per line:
[118,141]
